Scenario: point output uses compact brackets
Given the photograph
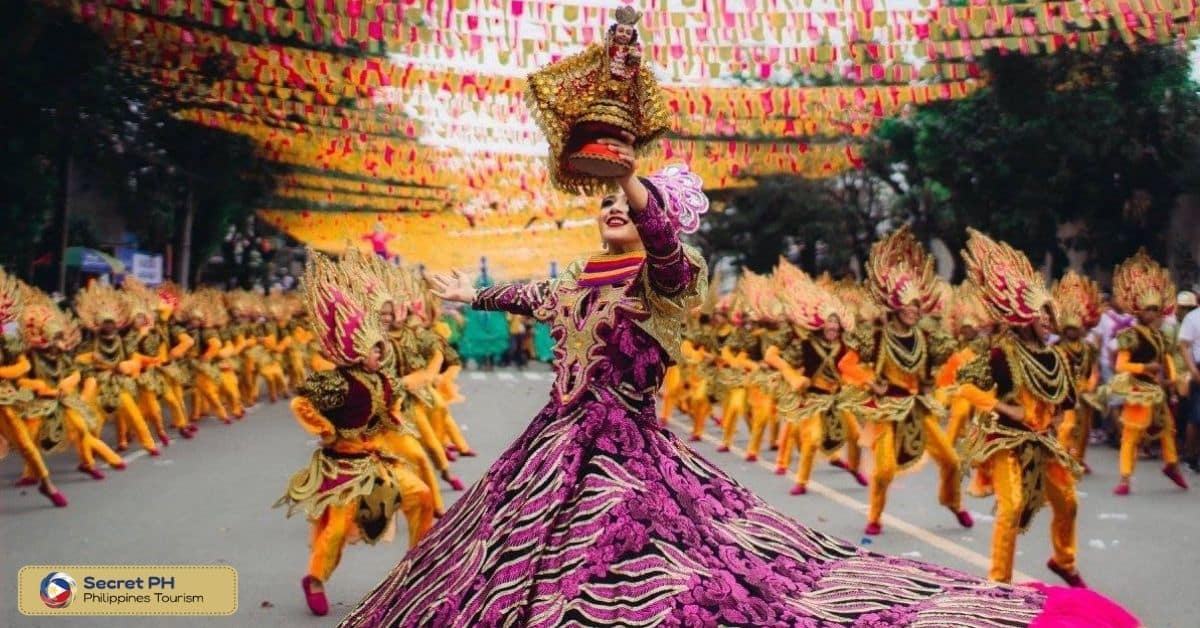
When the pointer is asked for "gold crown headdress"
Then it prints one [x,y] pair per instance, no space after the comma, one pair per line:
[191,307]
[1013,291]
[1076,301]
[627,15]
[1140,283]
[40,323]
[966,309]
[339,311]
[279,307]
[98,303]
[900,272]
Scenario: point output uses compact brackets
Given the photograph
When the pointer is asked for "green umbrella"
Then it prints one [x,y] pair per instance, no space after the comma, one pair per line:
[93,261]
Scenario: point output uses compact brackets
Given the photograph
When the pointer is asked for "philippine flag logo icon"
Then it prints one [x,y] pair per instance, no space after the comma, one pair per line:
[58,589]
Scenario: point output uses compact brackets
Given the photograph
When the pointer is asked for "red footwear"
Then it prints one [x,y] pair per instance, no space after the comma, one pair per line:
[799,489]
[751,457]
[860,478]
[438,514]
[695,438]
[1073,579]
[1172,472]
[164,439]
[120,466]
[57,498]
[1122,489]
[154,452]
[185,433]
[723,449]
[227,421]
[23,482]
[780,470]
[96,474]
[451,455]
[316,599]
[122,446]
[1086,469]
[964,519]
[873,529]
[839,463]
[468,454]
[455,483]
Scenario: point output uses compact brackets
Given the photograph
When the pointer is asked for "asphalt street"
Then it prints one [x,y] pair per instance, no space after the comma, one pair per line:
[208,500]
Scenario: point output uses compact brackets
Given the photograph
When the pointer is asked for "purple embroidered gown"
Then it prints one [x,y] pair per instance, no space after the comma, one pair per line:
[596,516]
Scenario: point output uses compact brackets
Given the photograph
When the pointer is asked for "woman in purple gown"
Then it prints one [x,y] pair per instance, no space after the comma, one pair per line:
[596,516]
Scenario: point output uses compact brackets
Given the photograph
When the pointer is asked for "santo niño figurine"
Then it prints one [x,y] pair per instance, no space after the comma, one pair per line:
[602,92]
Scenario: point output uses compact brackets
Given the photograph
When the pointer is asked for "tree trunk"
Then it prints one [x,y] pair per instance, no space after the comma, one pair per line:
[64,243]
[185,244]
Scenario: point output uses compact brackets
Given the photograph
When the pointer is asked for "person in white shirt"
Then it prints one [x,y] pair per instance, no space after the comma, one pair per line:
[1189,346]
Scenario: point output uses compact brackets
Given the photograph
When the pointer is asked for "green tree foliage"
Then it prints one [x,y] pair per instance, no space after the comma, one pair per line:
[69,99]
[1107,138]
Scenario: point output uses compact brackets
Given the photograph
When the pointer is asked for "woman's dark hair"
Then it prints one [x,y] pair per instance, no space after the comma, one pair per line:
[612,30]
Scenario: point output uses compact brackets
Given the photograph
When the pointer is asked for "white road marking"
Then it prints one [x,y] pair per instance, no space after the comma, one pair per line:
[506,377]
[141,453]
[476,376]
[530,375]
[890,522]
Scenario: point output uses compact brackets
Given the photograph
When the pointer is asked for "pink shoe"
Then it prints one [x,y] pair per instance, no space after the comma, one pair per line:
[695,438]
[120,466]
[1073,579]
[751,457]
[451,455]
[23,482]
[455,483]
[452,448]
[1122,489]
[316,599]
[723,449]
[164,439]
[468,454]
[1087,470]
[185,433]
[964,519]
[154,452]
[96,474]
[839,463]
[873,529]
[122,447]
[1172,472]
[780,470]
[860,478]
[799,489]
[57,498]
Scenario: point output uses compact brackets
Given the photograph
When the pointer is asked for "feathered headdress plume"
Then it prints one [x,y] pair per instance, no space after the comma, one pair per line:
[1013,291]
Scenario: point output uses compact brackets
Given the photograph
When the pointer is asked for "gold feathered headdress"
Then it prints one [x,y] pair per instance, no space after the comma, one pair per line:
[1013,291]
[97,304]
[11,297]
[900,273]
[858,301]
[139,299]
[1140,283]
[40,323]
[967,309]
[806,303]
[340,311]
[1076,301]
[757,298]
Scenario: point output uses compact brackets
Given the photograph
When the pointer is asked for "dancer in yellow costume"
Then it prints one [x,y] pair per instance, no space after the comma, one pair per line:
[173,368]
[13,366]
[439,355]
[264,350]
[147,343]
[1021,386]
[968,320]
[766,384]
[105,314]
[353,487]
[1146,372]
[1077,309]
[59,414]
[902,416]
[387,286]
[699,349]
[228,358]
[810,365]
[738,360]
